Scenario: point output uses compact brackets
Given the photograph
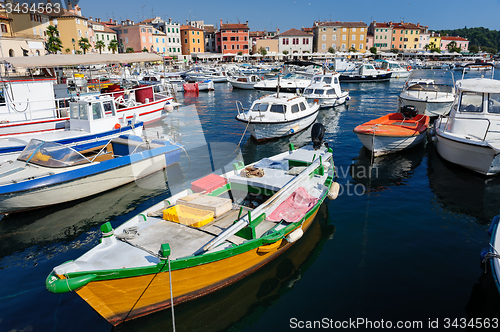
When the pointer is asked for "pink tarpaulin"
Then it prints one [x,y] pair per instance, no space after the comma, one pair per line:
[190,87]
[294,207]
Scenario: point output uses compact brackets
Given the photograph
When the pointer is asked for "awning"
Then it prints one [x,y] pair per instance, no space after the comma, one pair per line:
[57,60]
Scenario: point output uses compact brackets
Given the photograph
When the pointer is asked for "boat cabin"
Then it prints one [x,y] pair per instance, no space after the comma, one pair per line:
[286,104]
[94,115]
[324,85]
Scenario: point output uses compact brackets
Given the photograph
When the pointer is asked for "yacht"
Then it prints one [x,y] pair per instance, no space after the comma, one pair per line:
[470,135]
[365,73]
[325,89]
[429,98]
[292,83]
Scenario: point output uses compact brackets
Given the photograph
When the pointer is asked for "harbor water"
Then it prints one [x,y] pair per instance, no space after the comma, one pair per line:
[400,244]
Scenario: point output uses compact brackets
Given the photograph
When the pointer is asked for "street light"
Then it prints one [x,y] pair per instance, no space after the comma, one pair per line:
[73,42]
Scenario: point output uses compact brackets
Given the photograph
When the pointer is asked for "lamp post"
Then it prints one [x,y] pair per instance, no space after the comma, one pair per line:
[73,42]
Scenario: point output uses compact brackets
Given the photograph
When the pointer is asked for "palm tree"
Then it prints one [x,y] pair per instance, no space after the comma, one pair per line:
[427,47]
[262,51]
[100,45]
[84,44]
[113,46]
[54,44]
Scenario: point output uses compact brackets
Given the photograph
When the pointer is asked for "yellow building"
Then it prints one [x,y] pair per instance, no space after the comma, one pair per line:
[406,36]
[341,36]
[434,40]
[22,34]
[72,26]
[192,40]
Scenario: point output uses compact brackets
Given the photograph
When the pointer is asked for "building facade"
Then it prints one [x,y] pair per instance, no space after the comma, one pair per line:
[233,38]
[192,40]
[461,43]
[98,31]
[341,36]
[295,41]
[434,41]
[406,36]
[134,37]
[382,35]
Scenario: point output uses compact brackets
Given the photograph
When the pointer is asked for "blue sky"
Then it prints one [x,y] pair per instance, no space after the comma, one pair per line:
[287,14]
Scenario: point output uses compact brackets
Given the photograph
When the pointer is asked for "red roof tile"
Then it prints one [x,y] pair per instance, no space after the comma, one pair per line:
[294,32]
[233,26]
[453,38]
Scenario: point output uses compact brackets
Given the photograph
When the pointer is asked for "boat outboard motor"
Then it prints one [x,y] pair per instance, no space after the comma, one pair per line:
[317,135]
[409,111]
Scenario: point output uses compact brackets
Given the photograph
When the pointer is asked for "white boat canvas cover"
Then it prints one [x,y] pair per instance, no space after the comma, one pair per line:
[58,60]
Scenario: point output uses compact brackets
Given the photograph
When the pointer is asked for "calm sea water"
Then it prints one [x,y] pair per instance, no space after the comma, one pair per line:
[401,242]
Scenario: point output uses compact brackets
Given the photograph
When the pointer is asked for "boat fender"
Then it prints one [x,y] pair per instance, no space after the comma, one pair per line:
[294,129]
[117,126]
[333,192]
[57,285]
[295,235]
[316,101]
[347,98]
[168,108]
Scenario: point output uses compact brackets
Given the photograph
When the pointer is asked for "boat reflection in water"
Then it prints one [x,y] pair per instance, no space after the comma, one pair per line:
[223,309]
[459,190]
[377,174]
[65,222]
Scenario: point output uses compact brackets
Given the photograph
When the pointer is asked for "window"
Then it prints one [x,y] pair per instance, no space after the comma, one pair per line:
[494,103]
[343,37]
[85,23]
[185,33]
[194,49]
[193,41]
[224,38]
[323,37]
[126,40]
[343,47]
[96,111]
[362,37]
[156,40]
[125,30]
[305,41]
[353,46]
[79,33]
[232,47]
[334,29]
[4,28]
[185,41]
[323,46]
[168,29]
[143,29]
[361,46]
[363,29]
[353,29]
[471,102]
[334,37]
[334,46]
[77,21]
[237,47]
[353,37]
[150,30]
[376,30]
[376,37]
[178,32]
[324,29]
[109,110]
[295,108]
[143,39]
[344,29]
[302,106]
[163,40]
[258,107]
[276,108]
[107,36]
[164,50]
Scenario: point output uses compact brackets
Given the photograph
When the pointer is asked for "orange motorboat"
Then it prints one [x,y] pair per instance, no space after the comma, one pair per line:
[393,132]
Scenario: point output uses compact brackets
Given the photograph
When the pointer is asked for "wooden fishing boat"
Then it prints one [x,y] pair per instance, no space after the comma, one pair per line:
[393,132]
[48,173]
[204,238]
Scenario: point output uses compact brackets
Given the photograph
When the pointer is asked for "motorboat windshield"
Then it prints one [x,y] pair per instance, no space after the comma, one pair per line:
[50,154]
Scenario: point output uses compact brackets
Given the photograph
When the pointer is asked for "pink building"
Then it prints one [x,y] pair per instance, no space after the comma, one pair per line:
[461,42]
[136,36]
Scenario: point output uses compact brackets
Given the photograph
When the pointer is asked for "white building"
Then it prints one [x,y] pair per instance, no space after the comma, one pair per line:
[295,41]
[172,35]
[98,31]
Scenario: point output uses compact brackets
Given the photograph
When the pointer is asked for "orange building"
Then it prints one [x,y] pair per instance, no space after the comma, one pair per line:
[233,38]
[192,40]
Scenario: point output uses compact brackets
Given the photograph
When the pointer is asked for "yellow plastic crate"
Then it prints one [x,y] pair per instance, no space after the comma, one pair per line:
[188,216]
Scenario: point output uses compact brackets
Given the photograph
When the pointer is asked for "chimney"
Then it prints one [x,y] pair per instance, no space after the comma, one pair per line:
[132,22]
[220,23]
[277,31]
[90,18]
[70,7]
[247,23]
[418,25]
[123,22]
[78,10]
[170,20]
[98,20]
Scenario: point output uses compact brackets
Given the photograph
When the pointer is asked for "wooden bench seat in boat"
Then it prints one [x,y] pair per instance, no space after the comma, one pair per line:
[217,205]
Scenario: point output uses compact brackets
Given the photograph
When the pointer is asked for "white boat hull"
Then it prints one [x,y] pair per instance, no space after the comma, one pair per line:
[243,85]
[328,102]
[382,145]
[275,130]
[429,107]
[81,188]
[478,157]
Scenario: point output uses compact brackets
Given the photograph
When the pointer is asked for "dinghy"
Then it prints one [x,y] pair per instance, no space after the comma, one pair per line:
[220,230]
[48,173]
[393,132]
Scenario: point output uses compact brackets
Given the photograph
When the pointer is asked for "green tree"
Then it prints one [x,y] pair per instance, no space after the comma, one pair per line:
[100,45]
[262,51]
[54,43]
[113,46]
[353,49]
[240,53]
[129,50]
[145,50]
[331,50]
[452,47]
[84,44]
[373,49]
[473,49]
[67,50]
[394,50]
[427,47]
[285,52]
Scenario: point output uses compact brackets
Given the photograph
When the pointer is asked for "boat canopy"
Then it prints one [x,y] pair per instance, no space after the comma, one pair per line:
[51,154]
[58,60]
[482,85]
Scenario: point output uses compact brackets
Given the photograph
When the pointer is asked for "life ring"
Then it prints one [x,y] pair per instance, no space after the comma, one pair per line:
[408,68]
[117,126]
